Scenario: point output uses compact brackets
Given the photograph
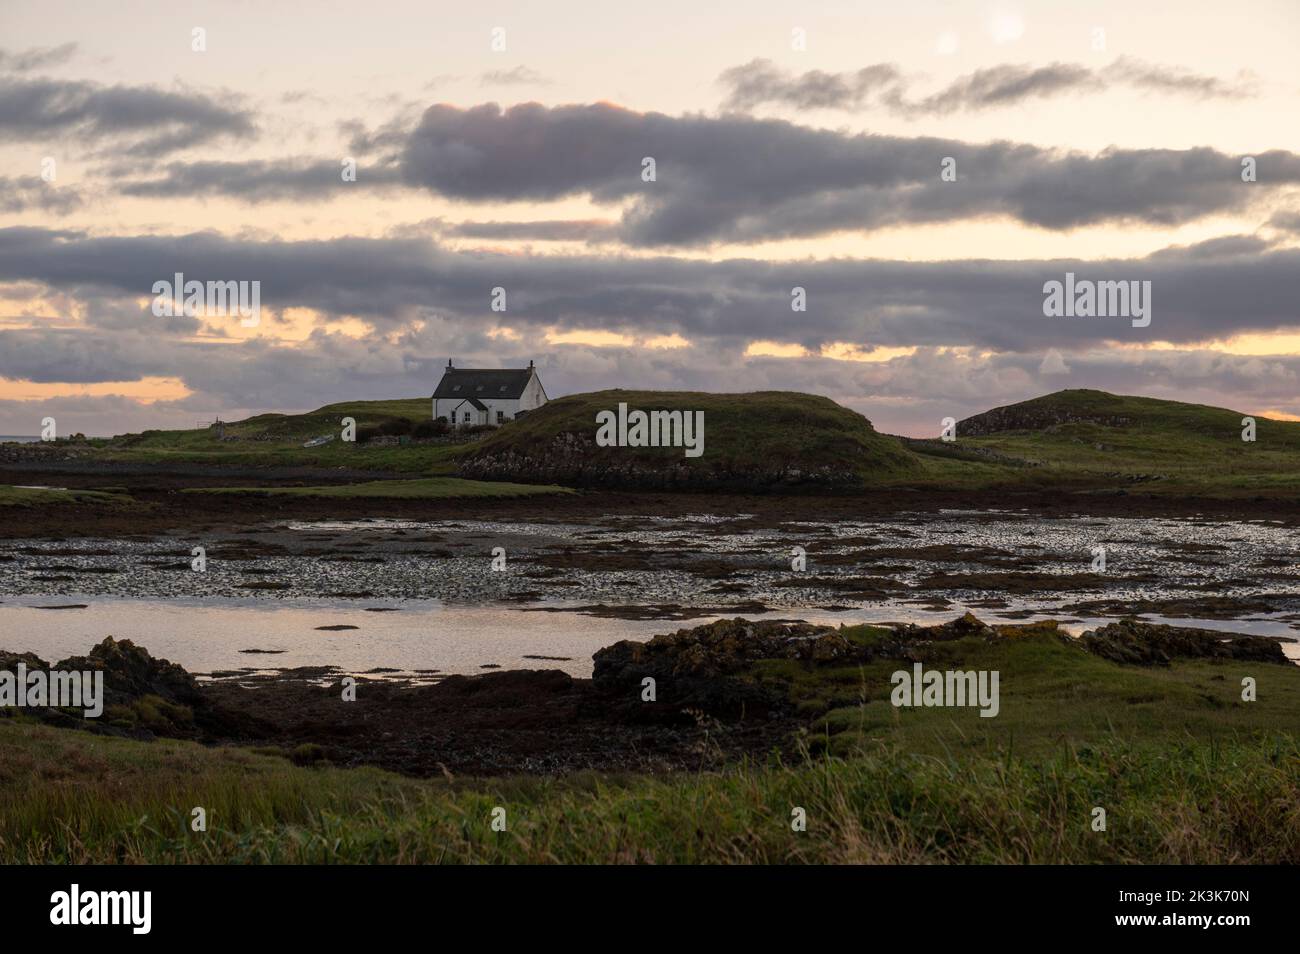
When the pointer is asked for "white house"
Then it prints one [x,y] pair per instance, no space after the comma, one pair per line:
[467,396]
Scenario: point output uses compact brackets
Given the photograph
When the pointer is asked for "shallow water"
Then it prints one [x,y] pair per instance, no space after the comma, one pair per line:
[411,639]
[452,560]
[456,615]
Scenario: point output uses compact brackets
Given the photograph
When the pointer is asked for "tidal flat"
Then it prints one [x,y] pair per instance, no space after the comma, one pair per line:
[422,599]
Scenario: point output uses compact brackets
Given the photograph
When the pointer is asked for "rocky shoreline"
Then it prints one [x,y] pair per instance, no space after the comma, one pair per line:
[708,707]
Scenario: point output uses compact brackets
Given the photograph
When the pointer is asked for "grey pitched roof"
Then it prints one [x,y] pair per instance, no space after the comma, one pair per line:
[506,384]
[472,402]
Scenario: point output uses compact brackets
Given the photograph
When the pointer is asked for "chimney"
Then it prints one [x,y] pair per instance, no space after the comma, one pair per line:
[530,364]
[449,364]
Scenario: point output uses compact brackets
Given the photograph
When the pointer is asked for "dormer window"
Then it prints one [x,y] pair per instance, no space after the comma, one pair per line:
[455,387]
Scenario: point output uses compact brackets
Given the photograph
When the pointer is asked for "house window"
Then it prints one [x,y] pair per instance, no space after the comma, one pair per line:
[465,419]
[501,416]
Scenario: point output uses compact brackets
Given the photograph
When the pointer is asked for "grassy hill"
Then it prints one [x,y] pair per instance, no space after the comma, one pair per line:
[759,440]
[275,440]
[1085,435]
[772,440]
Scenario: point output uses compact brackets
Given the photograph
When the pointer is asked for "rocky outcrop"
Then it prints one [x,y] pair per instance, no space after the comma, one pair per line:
[696,668]
[130,672]
[573,460]
[1153,644]
[142,696]
[1034,416]
[960,628]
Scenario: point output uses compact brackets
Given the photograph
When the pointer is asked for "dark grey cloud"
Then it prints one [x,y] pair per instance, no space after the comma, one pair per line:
[145,121]
[1200,293]
[908,394]
[20,193]
[1164,79]
[883,85]
[36,58]
[741,179]
[1003,85]
[1285,221]
[549,230]
[260,180]
[761,81]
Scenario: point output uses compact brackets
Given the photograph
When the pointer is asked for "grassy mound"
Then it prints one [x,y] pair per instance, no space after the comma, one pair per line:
[761,440]
[290,427]
[1184,447]
[276,440]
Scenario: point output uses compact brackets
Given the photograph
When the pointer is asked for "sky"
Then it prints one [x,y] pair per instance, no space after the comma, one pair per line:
[862,200]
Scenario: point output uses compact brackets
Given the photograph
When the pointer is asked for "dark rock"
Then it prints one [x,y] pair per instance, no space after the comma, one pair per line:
[1153,644]
[968,625]
[691,666]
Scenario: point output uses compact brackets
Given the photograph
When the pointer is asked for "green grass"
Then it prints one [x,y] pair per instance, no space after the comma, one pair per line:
[11,496]
[1071,440]
[1188,447]
[275,440]
[430,488]
[744,434]
[1051,693]
[1187,774]
[420,459]
[106,800]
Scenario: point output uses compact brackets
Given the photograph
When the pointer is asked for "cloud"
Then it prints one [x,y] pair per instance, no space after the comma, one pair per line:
[740,179]
[1053,363]
[1171,80]
[549,230]
[261,180]
[883,85]
[1285,221]
[909,394]
[20,193]
[37,58]
[761,81]
[1200,293]
[1000,86]
[519,76]
[968,335]
[148,121]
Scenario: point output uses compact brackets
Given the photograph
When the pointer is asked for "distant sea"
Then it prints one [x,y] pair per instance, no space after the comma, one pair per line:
[18,439]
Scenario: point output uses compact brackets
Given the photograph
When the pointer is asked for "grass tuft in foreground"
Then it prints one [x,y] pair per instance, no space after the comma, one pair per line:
[107,800]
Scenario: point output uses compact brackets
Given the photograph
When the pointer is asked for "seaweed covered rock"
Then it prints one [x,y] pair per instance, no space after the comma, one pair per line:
[713,649]
[130,671]
[142,696]
[695,668]
[1156,644]
[961,628]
